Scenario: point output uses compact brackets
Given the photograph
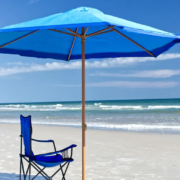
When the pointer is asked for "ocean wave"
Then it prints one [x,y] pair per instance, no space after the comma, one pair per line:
[163,107]
[78,107]
[160,107]
[23,107]
[39,109]
[133,127]
[97,104]
[126,127]
[105,107]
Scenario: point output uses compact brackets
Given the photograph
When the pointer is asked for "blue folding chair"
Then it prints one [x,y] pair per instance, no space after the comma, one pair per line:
[48,160]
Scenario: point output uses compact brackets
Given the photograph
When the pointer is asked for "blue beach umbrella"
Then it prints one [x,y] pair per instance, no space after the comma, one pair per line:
[64,36]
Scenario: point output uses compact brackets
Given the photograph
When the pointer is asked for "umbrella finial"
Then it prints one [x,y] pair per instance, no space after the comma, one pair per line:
[84,9]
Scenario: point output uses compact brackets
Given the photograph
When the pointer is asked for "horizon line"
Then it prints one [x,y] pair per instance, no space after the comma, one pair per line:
[38,102]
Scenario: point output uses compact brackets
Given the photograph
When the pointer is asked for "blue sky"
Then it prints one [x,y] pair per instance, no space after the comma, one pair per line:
[25,79]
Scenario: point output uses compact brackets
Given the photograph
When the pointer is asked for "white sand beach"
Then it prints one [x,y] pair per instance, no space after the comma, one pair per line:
[110,155]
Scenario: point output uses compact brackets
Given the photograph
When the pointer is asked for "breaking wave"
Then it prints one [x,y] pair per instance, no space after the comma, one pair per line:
[95,106]
[126,127]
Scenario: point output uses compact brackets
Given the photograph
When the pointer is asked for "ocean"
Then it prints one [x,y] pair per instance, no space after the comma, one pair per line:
[152,115]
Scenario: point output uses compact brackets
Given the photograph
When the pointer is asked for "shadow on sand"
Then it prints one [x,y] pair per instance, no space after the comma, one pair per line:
[13,176]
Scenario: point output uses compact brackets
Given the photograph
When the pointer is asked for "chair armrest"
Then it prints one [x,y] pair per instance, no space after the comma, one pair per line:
[51,153]
[45,141]
[42,140]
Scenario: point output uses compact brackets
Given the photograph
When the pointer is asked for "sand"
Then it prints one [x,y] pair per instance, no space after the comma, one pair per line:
[110,155]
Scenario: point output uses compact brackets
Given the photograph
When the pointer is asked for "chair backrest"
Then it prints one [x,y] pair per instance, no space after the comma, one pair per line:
[26,132]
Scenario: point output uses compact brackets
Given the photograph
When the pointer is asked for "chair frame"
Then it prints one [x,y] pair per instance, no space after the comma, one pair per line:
[31,163]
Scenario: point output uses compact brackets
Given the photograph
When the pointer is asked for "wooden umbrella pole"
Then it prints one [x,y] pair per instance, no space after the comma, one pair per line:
[83,103]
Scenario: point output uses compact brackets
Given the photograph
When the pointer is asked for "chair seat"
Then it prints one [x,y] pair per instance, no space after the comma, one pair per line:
[50,161]
[55,158]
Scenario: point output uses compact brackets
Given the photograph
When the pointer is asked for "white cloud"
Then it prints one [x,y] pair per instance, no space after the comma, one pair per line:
[136,84]
[91,64]
[129,84]
[39,67]
[117,62]
[163,73]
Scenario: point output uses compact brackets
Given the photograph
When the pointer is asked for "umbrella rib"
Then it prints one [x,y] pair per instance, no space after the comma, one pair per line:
[73,32]
[103,32]
[86,30]
[134,42]
[97,32]
[62,32]
[72,45]
[18,39]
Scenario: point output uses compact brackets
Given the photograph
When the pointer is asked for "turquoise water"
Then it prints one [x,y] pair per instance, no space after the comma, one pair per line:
[156,115]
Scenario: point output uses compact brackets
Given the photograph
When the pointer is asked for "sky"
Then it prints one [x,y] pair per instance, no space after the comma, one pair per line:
[24,79]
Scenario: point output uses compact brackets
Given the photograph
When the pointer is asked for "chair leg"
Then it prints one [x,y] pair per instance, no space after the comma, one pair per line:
[63,178]
[66,169]
[30,170]
[38,173]
[25,176]
[61,168]
[64,173]
[41,171]
[20,168]
[38,169]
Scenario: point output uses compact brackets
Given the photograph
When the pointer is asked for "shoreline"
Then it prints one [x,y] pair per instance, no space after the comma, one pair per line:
[154,131]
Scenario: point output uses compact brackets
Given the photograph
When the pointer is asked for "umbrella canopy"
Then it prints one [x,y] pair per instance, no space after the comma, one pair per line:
[63,36]
[120,38]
